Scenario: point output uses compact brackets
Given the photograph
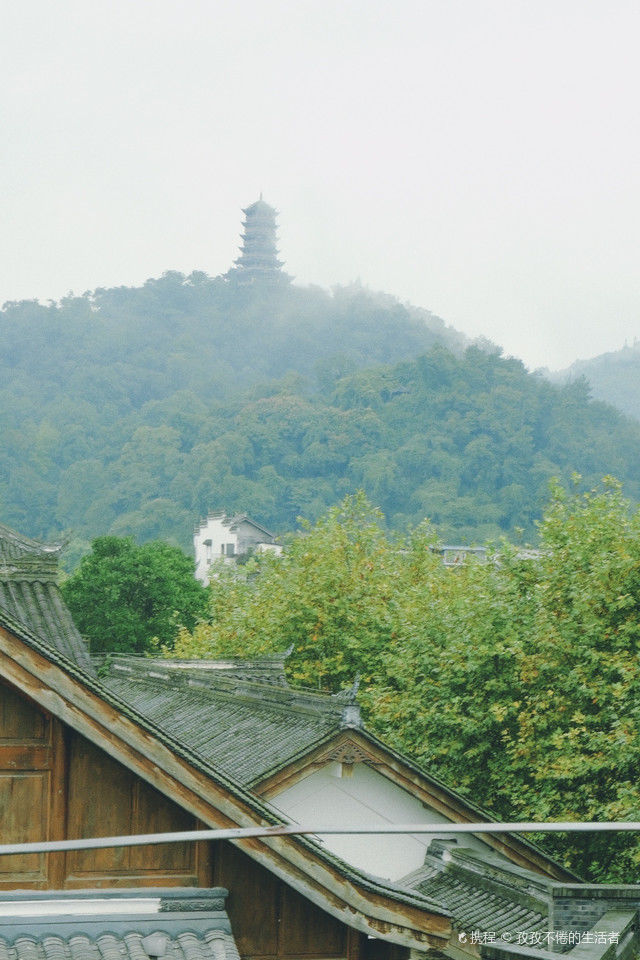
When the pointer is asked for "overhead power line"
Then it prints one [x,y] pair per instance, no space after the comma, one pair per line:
[292,829]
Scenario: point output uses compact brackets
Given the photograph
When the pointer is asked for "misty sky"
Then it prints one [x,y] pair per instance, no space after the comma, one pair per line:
[477,158]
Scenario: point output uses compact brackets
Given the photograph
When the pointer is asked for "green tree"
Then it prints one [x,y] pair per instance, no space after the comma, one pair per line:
[125,597]
[520,682]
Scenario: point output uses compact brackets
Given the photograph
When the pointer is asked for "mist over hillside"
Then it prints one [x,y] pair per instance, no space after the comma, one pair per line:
[137,344]
[137,410]
[613,377]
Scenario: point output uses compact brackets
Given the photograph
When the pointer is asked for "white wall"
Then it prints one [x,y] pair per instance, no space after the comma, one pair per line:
[214,541]
[215,530]
[366,797]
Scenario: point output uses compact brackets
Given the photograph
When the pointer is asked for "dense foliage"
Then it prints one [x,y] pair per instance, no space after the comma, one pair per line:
[124,597]
[133,412]
[517,680]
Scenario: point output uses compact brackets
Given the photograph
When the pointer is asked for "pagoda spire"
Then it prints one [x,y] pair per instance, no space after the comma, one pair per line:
[258,260]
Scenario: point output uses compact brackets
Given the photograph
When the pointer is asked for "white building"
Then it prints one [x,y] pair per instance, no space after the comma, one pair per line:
[453,556]
[221,537]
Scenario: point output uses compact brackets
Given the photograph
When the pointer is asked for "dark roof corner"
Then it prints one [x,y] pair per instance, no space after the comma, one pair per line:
[29,592]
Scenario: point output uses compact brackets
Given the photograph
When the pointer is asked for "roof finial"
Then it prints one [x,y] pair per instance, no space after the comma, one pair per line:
[353,690]
[261,194]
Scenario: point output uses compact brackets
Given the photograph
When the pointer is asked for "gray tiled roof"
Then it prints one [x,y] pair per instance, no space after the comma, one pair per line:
[483,893]
[29,592]
[188,924]
[478,909]
[211,945]
[248,728]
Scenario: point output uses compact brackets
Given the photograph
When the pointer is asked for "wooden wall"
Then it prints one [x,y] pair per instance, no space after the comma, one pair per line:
[55,784]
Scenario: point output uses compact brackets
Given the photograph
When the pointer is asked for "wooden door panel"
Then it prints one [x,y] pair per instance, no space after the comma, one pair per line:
[25,786]
[252,903]
[24,804]
[106,799]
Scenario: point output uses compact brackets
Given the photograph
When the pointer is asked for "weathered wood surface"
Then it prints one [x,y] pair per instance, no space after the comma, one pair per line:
[56,784]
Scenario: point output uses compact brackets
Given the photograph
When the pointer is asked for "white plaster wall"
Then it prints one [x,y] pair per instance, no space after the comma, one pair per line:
[275,548]
[216,531]
[366,797]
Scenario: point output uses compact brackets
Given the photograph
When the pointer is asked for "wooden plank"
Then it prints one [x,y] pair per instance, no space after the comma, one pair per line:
[20,720]
[155,813]
[253,901]
[24,804]
[307,931]
[107,799]
[110,881]
[99,805]
[25,785]
[21,756]
[356,942]
[56,863]
[204,859]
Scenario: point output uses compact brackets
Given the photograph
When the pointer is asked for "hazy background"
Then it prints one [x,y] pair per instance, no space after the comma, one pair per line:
[479,159]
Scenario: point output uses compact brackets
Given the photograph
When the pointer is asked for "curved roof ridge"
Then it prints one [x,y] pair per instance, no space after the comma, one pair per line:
[26,545]
[242,681]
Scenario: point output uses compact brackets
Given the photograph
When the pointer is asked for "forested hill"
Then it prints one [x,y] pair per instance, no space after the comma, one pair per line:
[135,411]
[127,346]
[613,377]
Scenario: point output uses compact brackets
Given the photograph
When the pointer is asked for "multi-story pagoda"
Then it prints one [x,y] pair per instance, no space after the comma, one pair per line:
[258,260]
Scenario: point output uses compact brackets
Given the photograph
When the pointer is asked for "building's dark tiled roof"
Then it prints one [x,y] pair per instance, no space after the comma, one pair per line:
[234,719]
[29,592]
[488,894]
[477,909]
[125,925]
[212,945]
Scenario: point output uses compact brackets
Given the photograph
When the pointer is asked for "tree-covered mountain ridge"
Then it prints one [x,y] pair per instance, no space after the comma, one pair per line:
[614,377]
[135,411]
